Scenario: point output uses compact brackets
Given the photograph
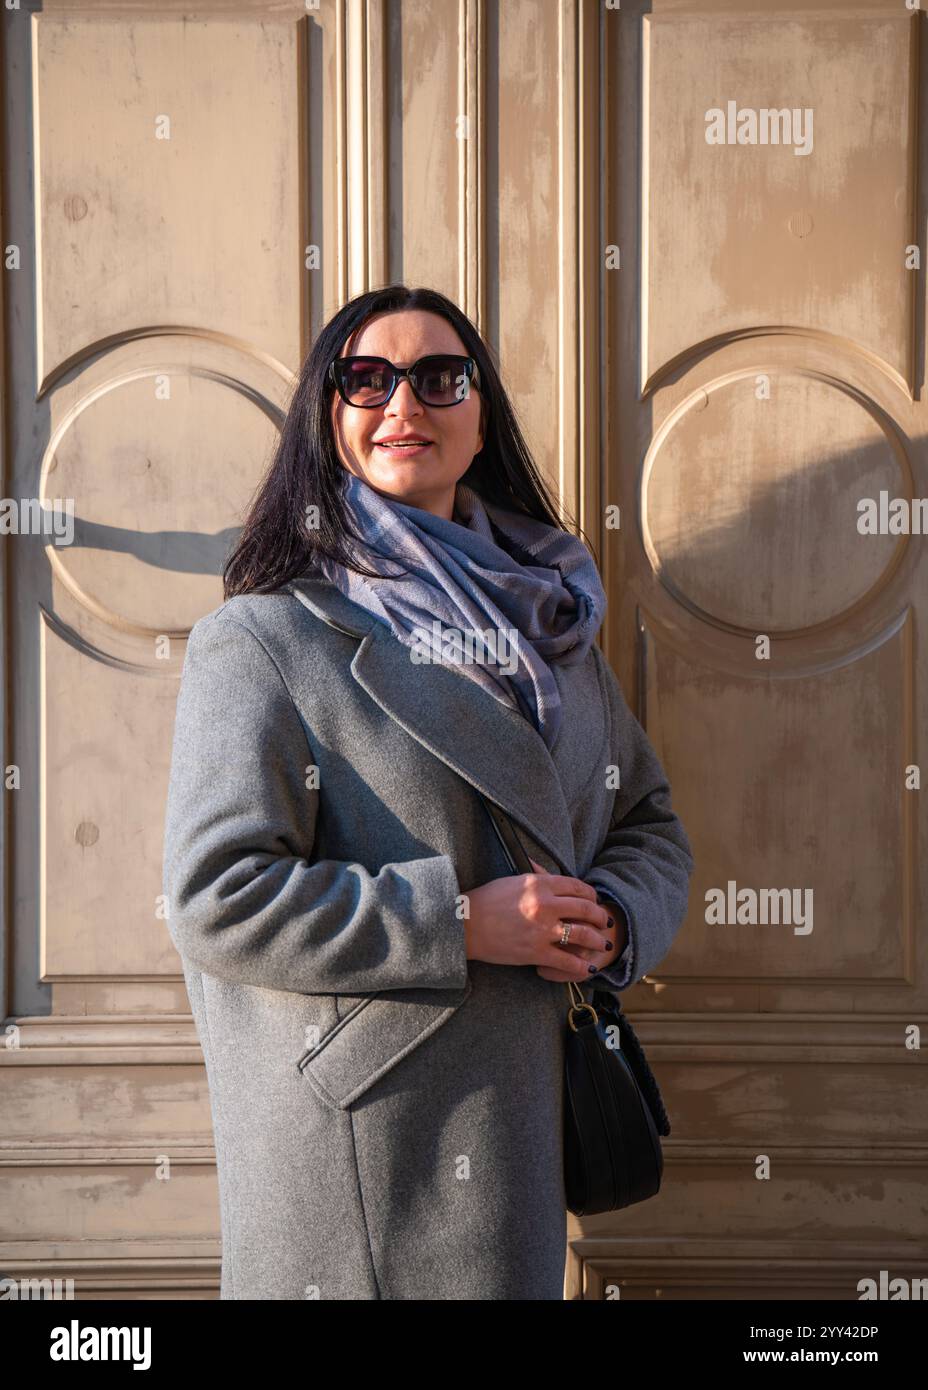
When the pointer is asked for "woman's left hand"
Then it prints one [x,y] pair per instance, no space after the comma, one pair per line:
[598,958]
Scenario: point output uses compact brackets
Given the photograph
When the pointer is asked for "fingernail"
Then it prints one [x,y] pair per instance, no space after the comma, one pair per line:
[608,946]
[611,923]
[592,969]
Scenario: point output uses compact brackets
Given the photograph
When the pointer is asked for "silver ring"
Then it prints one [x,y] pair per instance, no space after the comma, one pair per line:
[565,933]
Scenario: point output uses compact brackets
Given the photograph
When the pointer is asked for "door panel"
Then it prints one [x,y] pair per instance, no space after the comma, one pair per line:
[765,361]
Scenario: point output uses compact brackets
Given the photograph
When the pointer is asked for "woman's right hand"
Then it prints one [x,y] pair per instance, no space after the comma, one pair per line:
[518,920]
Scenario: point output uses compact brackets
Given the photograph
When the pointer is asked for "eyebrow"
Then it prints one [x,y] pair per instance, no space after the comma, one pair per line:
[381,356]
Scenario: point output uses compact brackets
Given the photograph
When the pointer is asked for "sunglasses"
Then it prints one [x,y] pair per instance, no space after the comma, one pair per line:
[440,380]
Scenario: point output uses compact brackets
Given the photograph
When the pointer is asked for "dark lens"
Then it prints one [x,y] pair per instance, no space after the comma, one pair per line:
[366,382]
[443,380]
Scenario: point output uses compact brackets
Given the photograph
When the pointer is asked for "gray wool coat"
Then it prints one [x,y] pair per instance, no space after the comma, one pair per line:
[387,1113]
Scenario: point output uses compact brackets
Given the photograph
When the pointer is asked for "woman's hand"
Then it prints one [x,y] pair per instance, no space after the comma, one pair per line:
[598,958]
[517,920]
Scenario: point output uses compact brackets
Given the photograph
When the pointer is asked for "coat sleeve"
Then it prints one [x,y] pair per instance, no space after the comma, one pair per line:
[645,862]
[247,899]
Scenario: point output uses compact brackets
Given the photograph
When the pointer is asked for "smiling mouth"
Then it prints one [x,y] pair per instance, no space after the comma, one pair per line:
[409,447]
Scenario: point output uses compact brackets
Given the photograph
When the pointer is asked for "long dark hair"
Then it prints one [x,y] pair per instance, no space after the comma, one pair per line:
[276,544]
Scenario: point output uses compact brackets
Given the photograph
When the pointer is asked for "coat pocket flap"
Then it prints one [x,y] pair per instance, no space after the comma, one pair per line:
[373,1037]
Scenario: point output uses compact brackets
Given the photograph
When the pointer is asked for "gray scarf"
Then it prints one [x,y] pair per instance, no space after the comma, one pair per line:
[493,592]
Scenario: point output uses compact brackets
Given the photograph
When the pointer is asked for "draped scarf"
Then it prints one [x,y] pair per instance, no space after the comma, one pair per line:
[497,594]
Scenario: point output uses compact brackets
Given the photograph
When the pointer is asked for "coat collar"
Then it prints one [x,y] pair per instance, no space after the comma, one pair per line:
[492,746]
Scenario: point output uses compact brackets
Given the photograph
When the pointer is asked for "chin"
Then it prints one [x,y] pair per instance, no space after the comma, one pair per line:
[402,479]
[392,486]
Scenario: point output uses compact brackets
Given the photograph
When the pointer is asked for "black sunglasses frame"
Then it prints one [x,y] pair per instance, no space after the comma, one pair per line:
[338,369]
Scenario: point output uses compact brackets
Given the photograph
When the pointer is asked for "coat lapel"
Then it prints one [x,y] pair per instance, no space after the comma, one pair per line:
[492,746]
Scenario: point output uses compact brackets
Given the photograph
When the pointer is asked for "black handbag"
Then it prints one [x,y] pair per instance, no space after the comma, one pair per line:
[613,1110]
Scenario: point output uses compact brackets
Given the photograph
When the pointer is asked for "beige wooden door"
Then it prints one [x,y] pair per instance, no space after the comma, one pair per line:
[764,374]
[725,342]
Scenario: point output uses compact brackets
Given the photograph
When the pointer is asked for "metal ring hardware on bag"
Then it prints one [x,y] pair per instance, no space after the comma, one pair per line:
[578,1004]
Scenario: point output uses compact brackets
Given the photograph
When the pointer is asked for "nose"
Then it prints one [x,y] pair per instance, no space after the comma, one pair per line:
[403,401]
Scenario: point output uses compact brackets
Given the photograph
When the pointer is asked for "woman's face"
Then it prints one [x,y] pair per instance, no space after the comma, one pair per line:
[427,477]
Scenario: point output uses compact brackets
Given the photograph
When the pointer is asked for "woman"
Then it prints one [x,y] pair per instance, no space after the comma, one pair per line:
[380,1001]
